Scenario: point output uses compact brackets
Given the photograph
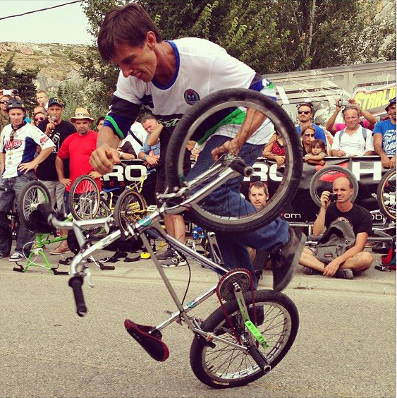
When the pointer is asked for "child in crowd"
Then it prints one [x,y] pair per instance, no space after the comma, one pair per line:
[317,153]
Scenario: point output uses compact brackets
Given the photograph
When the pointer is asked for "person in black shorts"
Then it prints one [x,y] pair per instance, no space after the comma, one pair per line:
[354,259]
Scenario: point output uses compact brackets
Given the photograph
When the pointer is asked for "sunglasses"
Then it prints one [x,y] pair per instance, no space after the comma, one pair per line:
[38,119]
[304,112]
[309,135]
[3,102]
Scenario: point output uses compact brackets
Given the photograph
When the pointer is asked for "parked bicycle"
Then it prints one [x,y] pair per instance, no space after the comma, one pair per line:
[252,330]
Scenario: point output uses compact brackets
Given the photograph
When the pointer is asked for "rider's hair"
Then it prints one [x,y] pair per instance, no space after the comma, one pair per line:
[129,25]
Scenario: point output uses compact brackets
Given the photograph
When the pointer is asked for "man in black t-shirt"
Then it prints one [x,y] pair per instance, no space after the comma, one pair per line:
[354,259]
[57,129]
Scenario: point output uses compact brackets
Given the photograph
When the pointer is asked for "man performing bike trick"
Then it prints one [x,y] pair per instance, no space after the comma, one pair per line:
[169,77]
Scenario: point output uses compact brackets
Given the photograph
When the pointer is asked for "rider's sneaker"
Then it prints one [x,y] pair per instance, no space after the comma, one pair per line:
[165,255]
[17,256]
[285,258]
[175,261]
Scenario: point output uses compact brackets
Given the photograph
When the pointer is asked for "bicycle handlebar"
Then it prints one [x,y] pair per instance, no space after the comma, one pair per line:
[76,283]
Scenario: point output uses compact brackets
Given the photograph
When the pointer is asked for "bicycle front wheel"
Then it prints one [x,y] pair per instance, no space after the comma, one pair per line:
[224,366]
[221,115]
[32,194]
[84,198]
[386,195]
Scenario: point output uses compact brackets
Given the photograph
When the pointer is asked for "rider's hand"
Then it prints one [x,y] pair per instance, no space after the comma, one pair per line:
[233,147]
[103,159]
[324,199]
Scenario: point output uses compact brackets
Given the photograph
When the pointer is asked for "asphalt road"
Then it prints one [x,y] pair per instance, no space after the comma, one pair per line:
[345,346]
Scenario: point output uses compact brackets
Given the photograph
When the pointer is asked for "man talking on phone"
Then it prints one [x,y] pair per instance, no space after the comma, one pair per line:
[339,205]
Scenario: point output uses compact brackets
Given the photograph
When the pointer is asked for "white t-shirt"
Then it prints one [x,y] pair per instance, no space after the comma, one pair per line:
[353,144]
[22,148]
[202,68]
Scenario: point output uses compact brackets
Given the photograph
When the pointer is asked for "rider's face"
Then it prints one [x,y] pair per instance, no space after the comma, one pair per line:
[140,62]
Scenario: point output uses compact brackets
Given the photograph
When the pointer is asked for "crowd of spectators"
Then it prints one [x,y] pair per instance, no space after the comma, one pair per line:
[59,152]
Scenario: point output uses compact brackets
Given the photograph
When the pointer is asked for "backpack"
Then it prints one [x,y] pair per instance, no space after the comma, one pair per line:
[338,238]
[363,132]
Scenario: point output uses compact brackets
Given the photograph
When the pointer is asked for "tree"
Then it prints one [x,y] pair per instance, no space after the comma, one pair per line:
[269,35]
[23,81]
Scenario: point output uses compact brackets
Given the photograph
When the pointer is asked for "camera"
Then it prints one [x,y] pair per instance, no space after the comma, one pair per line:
[343,103]
[332,197]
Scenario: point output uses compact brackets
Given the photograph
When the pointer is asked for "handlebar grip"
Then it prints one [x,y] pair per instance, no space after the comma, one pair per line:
[76,282]
[240,166]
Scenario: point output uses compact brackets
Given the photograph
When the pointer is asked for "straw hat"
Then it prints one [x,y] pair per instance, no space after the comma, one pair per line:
[80,114]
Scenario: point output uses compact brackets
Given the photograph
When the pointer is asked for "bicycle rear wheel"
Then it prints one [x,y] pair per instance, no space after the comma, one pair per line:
[222,113]
[386,195]
[32,194]
[224,366]
[84,198]
[130,207]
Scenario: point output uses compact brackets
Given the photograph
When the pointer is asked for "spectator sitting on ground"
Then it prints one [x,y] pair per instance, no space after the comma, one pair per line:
[316,154]
[353,140]
[385,136]
[367,121]
[275,149]
[305,119]
[77,148]
[307,137]
[18,160]
[354,259]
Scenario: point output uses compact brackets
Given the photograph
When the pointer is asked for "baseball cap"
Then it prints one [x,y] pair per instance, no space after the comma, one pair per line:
[55,101]
[391,102]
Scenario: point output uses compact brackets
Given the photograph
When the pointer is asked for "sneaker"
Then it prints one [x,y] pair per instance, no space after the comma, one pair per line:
[344,273]
[175,261]
[166,254]
[285,258]
[311,271]
[17,256]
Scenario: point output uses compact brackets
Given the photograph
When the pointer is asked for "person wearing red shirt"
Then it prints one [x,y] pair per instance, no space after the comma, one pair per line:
[77,148]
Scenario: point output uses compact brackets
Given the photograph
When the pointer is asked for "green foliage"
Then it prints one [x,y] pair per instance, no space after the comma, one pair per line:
[269,35]
[10,78]
[82,94]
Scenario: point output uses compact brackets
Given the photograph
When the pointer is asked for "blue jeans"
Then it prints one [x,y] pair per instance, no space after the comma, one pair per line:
[233,245]
[14,187]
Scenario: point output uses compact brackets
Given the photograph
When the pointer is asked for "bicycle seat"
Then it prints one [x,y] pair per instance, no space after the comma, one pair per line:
[150,342]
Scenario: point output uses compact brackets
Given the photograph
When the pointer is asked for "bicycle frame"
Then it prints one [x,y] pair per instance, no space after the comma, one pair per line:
[143,227]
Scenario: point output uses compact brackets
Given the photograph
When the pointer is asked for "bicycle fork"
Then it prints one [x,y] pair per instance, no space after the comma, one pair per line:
[255,334]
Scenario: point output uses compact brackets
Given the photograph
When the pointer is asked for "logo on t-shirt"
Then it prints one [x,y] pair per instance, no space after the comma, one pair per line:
[191,96]
[14,144]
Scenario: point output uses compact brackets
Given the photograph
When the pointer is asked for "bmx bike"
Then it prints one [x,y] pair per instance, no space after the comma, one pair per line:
[252,330]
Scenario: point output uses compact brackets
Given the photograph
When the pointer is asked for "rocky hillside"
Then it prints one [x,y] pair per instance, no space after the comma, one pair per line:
[53,61]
